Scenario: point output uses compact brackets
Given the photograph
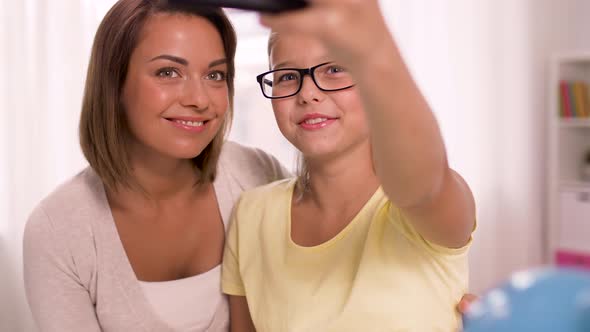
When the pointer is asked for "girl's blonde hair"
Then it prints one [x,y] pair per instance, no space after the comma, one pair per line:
[302,170]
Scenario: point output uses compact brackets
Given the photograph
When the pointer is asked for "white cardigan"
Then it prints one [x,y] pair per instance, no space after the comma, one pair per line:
[77,275]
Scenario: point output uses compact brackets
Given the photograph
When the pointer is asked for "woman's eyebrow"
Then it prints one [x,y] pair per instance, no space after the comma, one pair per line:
[173,58]
[217,62]
[185,62]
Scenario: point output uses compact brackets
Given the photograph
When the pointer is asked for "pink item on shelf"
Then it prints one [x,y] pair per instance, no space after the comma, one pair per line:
[572,259]
[566,107]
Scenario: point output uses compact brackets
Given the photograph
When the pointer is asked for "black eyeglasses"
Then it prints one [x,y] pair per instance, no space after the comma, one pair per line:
[287,82]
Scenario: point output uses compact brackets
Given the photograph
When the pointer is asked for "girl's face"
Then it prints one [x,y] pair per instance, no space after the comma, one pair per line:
[175,94]
[322,125]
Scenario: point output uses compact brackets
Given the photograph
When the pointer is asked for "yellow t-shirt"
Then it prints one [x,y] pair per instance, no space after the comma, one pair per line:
[377,274]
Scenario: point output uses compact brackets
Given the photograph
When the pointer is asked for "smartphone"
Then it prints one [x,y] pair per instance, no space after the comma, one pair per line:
[266,6]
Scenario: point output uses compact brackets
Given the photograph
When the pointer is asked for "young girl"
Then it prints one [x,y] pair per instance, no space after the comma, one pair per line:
[374,233]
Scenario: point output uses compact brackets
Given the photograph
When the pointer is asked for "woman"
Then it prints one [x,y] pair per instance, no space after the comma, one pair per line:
[374,233]
[134,242]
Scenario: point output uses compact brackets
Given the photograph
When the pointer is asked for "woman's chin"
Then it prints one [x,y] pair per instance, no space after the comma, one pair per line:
[185,153]
[190,155]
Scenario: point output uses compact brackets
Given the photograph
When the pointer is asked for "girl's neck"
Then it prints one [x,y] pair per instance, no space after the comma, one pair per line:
[342,180]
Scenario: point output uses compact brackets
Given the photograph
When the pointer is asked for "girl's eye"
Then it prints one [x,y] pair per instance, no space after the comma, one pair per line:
[288,77]
[216,76]
[335,69]
[167,73]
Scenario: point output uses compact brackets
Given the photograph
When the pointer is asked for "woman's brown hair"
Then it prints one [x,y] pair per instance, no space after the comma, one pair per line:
[103,128]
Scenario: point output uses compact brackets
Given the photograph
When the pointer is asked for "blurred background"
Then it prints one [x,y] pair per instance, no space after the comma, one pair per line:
[485,67]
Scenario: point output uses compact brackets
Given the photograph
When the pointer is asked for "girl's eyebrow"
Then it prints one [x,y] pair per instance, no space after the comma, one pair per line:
[282,64]
[289,64]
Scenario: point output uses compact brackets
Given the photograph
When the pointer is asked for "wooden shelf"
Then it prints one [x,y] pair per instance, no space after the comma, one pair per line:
[568,143]
[574,123]
[574,186]
[578,58]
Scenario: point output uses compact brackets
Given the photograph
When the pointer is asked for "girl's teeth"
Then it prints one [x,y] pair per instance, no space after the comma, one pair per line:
[315,121]
[190,123]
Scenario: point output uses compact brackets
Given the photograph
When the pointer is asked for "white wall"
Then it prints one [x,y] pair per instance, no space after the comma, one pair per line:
[483,67]
[45,51]
[527,34]
[481,64]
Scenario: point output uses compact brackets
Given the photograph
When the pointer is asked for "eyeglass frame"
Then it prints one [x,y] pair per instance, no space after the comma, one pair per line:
[302,72]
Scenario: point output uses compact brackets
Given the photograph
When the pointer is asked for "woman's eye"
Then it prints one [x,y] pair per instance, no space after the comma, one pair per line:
[216,76]
[167,73]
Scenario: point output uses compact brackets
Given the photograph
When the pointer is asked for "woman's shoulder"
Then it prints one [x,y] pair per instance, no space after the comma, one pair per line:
[251,166]
[60,239]
[70,207]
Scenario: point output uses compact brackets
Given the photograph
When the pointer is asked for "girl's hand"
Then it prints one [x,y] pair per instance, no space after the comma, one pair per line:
[352,30]
[465,302]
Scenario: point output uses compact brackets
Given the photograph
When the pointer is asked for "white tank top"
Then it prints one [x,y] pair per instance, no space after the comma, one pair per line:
[192,304]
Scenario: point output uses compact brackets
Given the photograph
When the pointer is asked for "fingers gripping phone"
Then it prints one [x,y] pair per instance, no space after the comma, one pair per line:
[267,6]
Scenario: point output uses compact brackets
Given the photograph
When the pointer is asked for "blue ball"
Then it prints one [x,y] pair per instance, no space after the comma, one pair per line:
[545,300]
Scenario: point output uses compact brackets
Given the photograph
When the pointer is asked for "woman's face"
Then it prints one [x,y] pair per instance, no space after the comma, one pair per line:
[320,124]
[175,94]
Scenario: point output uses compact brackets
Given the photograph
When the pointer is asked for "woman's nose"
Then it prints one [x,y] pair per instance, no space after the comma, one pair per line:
[194,94]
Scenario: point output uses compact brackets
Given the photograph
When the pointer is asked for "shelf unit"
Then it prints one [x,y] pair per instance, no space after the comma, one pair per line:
[568,195]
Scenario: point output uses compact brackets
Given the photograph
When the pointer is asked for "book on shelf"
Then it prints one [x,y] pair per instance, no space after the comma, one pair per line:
[578,88]
[564,100]
[574,101]
[586,99]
